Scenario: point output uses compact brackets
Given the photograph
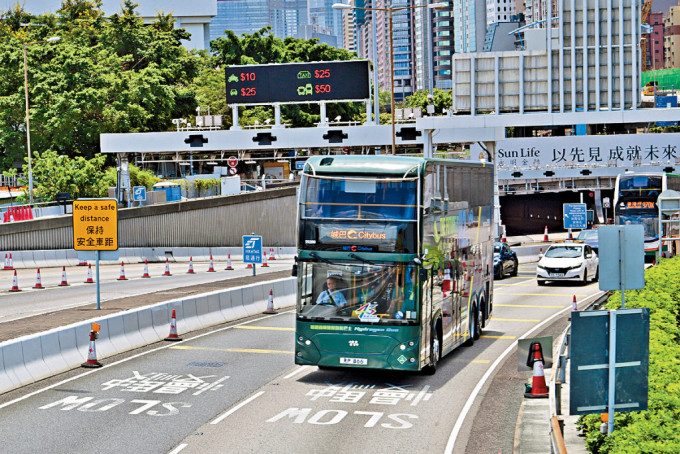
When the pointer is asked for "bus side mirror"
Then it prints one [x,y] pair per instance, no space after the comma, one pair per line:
[422,274]
[294,270]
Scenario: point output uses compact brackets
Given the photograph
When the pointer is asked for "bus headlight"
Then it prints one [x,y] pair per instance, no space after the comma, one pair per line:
[308,342]
[402,347]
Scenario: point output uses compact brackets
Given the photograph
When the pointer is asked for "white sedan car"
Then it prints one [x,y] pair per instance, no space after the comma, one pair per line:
[568,262]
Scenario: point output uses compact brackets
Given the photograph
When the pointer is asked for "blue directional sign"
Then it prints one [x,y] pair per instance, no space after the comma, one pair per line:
[139,193]
[252,249]
[574,216]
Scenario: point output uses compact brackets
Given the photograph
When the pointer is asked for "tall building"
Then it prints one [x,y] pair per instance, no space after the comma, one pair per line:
[655,42]
[239,16]
[433,46]
[469,25]
[322,14]
[349,30]
[672,38]
[286,17]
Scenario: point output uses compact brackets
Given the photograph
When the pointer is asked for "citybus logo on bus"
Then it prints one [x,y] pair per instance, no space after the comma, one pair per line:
[353,234]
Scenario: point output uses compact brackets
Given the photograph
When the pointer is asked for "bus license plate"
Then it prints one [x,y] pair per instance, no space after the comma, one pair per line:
[354,361]
[556,274]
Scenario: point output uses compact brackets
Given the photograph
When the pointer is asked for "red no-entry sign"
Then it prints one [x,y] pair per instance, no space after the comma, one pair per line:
[232,161]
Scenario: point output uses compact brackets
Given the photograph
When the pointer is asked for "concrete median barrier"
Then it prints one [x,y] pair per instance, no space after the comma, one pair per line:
[35,357]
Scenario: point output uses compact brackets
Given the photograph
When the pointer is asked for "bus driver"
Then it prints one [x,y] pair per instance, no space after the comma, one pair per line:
[332,296]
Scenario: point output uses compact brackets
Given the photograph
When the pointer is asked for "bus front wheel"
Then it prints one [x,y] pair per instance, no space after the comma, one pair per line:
[474,326]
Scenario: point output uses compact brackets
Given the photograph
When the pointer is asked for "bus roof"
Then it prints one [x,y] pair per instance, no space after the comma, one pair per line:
[370,164]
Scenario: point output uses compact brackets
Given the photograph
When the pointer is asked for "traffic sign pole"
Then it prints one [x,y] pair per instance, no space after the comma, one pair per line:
[612,371]
[97,271]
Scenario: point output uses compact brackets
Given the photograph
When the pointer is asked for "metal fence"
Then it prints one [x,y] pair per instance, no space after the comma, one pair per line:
[210,222]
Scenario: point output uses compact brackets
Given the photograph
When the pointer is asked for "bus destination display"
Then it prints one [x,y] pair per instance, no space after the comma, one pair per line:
[298,82]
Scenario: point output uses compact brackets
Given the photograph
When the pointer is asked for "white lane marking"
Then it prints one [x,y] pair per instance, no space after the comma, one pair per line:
[296,371]
[179,448]
[461,418]
[92,371]
[233,409]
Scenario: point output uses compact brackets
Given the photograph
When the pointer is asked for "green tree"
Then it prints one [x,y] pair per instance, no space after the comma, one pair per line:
[138,177]
[53,173]
[106,75]
[442,99]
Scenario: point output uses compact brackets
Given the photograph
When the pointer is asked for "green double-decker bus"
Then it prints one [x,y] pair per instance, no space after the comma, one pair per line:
[395,260]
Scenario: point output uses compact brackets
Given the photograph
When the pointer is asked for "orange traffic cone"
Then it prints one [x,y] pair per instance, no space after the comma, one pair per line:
[38,282]
[574,306]
[271,254]
[538,388]
[545,234]
[146,269]
[229,268]
[92,351]
[15,283]
[211,268]
[270,303]
[122,272]
[173,329]
[191,266]
[89,279]
[64,282]
[167,268]
[264,259]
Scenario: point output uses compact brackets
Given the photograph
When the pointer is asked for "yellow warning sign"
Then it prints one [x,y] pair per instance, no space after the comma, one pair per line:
[95,225]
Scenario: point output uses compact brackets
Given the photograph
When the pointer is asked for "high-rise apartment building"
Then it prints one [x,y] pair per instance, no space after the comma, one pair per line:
[349,39]
[672,38]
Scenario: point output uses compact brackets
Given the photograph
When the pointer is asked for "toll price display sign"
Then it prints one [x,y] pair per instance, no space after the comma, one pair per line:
[298,82]
[95,225]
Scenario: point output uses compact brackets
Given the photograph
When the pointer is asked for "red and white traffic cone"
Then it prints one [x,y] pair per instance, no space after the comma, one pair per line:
[82,262]
[574,306]
[11,262]
[271,254]
[249,266]
[191,266]
[211,268]
[15,283]
[571,236]
[229,268]
[167,268]
[89,279]
[38,281]
[92,362]
[264,259]
[504,239]
[270,303]
[545,234]
[7,263]
[146,269]
[538,387]
[64,282]
[122,272]
[173,329]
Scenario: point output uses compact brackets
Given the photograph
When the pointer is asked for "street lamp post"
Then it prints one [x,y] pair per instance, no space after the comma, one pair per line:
[390,11]
[28,126]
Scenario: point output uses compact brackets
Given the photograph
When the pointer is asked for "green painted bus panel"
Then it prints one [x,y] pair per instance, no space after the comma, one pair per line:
[381,347]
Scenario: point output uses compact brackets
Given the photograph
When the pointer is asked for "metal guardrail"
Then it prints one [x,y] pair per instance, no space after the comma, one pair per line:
[559,378]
